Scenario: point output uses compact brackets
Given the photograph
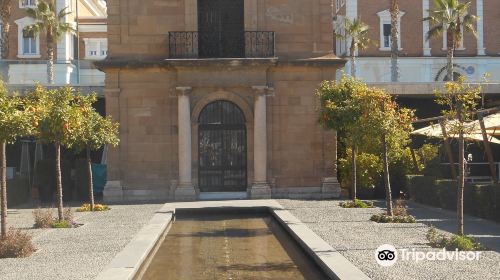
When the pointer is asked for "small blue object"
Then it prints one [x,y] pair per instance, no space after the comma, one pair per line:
[99,176]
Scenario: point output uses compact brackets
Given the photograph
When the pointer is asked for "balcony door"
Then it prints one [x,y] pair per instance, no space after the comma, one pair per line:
[221,27]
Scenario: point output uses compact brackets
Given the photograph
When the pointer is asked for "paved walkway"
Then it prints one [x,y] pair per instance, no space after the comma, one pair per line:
[79,253]
[83,252]
[486,232]
[351,232]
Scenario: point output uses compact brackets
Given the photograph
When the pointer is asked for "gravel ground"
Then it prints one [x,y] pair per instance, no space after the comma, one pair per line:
[351,233]
[79,253]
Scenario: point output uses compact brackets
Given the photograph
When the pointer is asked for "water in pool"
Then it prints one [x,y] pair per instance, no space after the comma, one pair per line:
[230,246]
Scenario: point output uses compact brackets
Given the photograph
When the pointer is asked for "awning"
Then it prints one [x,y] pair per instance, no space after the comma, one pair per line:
[476,135]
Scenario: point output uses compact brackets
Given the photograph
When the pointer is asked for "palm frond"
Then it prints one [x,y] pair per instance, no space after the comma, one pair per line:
[435,31]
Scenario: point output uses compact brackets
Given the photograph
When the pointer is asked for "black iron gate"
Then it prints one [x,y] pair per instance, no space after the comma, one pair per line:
[221,28]
[222,148]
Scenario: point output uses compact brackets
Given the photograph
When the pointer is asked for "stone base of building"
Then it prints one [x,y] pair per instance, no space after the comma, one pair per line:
[260,191]
[185,193]
[113,192]
[330,188]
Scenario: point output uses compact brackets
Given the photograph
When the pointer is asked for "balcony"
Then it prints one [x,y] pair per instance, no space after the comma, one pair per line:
[195,45]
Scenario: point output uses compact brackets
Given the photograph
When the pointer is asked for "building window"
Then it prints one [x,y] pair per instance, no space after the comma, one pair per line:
[387,36]
[340,43]
[339,4]
[96,48]
[27,3]
[385,30]
[28,43]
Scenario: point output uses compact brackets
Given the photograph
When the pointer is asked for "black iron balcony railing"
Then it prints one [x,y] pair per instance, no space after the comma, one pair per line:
[192,44]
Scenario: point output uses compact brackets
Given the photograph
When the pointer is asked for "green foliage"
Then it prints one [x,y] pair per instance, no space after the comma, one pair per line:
[369,169]
[460,100]
[49,21]
[16,244]
[357,32]
[453,17]
[356,204]
[94,131]
[338,109]
[56,111]
[14,120]
[384,218]
[44,219]
[460,242]
[422,190]
[62,224]
[479,200]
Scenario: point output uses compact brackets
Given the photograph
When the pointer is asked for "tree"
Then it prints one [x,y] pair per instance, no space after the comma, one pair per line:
[94,132]
[368,118]
[394,40]
[340,112]
[53,24]
[57,110]
[357,32]
[459,99]
[387,129]
[5,14]
[14,122]
[452,17]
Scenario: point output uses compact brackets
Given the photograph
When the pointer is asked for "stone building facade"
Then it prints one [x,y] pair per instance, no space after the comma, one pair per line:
[217,98]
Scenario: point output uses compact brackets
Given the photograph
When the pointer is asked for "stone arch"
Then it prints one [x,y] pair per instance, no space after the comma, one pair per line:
[247,110]
[222,95]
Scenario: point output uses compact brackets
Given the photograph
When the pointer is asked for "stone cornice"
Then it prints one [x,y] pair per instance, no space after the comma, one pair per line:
[136,63]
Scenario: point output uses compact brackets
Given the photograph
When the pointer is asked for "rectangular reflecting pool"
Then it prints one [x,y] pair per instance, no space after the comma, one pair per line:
[222,245]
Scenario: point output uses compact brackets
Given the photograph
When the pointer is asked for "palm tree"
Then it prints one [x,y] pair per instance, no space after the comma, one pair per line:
[394,40]
[53,24]
[357,32]
[452,17]
[5,13]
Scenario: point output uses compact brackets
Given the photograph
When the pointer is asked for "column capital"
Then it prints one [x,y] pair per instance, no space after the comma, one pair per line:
[263,90]
[184,90]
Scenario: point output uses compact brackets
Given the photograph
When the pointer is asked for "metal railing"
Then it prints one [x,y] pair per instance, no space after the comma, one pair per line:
[187,44]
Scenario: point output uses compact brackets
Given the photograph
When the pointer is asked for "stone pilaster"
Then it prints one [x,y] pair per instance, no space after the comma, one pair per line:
[260,187]
[330,187]
[185,190]
[481,50]
[426,44]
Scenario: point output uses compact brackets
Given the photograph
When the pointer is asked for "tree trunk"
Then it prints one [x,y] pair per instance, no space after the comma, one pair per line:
[461,174]
[387,182]
[90,183]
[5,14]
[5,39]
[449,66]
[394,41]
[352,51]
[353,66]
[50,63]
[59,183]
[353,170]
[3,188]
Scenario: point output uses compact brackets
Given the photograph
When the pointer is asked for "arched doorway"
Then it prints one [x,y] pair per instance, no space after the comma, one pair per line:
[222,148]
